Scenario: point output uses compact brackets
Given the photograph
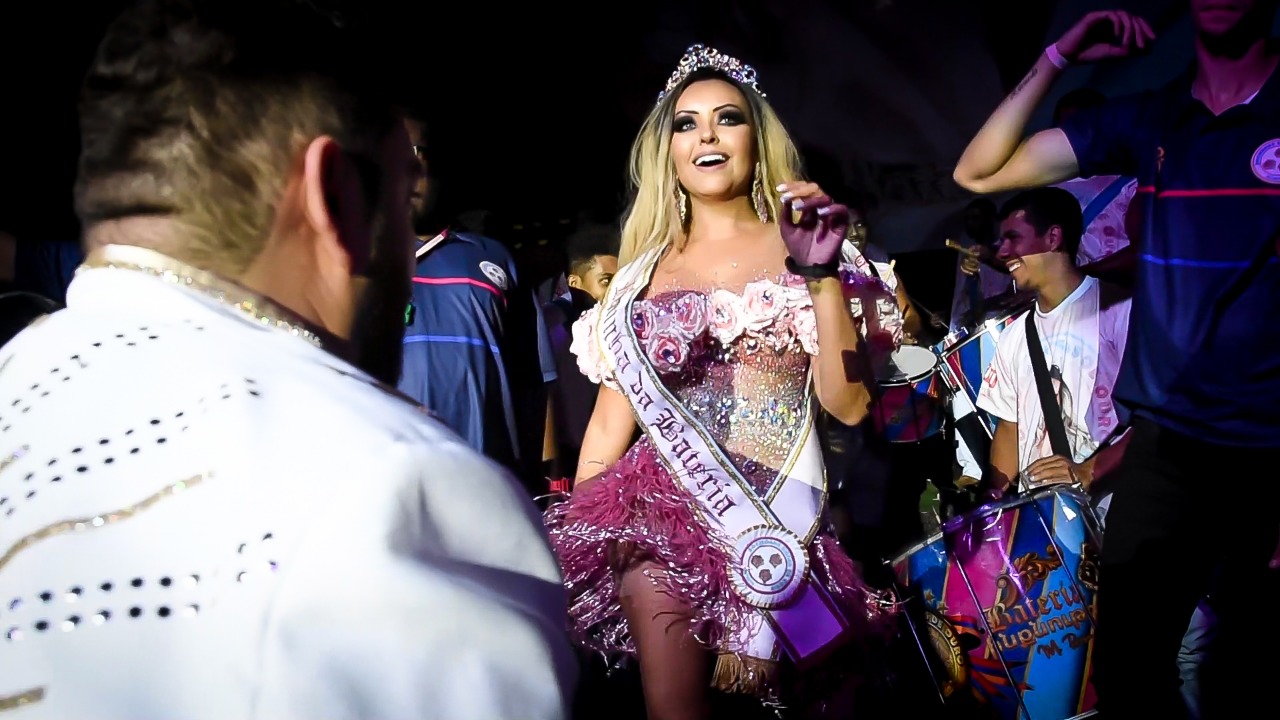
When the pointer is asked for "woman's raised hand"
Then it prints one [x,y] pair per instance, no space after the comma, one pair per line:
[813,226]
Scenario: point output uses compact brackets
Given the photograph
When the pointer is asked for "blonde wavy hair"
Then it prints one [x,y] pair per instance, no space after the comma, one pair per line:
[653,219]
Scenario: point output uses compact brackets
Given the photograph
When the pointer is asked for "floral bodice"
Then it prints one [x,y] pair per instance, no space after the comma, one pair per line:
[738,362]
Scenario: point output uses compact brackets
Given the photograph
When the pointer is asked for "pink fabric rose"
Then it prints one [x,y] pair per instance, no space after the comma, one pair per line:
[781,333]
[761,304]
[689,316]
[667,351]
[644,320]
[796,297]
[726,316]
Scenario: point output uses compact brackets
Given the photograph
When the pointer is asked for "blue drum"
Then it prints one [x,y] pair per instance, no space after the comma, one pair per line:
[1002,604]
[966,354]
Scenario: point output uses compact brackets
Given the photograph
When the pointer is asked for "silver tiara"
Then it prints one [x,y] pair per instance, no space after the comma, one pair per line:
[700,57]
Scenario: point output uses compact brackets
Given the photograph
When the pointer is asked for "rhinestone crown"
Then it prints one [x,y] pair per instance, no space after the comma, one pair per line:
[700,57]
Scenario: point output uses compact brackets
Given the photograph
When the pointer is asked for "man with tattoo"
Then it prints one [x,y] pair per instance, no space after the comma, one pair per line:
[1199,380]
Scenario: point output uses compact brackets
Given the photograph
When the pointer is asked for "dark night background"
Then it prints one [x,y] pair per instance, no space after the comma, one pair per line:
[535,105]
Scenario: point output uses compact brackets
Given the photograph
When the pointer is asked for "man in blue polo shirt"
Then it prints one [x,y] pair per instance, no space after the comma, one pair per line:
[476,352]
[1200,384]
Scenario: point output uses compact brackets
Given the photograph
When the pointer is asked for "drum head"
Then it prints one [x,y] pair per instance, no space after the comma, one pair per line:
[909,363]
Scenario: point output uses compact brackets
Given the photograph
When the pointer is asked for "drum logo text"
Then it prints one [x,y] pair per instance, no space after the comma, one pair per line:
[1020,620]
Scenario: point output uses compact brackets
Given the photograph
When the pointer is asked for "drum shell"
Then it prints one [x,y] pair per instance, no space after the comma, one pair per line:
[908,408]
[965,356]
[1004,604]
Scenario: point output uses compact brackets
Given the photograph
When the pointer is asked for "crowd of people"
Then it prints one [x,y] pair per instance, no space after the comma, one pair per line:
[290,450]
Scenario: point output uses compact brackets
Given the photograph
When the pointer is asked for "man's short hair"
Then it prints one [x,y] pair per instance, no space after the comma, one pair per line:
[1078,99]
[195,111]
[586,244]
[1046,207]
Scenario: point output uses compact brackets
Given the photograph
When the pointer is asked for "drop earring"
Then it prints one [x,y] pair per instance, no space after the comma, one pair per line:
[758,197]
[682,204]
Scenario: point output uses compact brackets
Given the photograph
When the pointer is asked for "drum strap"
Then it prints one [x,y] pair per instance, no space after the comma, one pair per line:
[1048,399]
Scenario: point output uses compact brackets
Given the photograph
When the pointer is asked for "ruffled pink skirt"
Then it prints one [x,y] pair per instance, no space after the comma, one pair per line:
[637,502]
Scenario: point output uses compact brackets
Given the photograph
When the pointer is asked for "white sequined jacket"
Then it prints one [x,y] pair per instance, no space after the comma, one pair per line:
[205,516]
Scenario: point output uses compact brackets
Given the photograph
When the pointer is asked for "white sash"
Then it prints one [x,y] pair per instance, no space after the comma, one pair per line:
[769,536]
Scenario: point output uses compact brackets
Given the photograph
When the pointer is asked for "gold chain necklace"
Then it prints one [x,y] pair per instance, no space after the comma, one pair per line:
[259,309]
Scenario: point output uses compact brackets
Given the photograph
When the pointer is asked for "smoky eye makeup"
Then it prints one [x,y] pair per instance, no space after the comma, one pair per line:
[683,123]
[732,116]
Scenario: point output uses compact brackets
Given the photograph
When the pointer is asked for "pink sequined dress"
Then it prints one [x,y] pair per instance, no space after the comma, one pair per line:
[739,363]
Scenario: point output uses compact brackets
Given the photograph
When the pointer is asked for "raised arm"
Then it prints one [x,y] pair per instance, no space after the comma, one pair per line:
[998,158]
[814,229]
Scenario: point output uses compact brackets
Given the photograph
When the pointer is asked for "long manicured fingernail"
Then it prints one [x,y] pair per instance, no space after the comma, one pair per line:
[786,196]
[782,187]
[797,205]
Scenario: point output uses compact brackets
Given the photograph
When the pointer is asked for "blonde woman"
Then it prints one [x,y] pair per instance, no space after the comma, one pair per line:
[704,548]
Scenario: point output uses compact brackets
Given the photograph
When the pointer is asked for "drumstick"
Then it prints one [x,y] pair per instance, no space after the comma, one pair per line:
[429,245]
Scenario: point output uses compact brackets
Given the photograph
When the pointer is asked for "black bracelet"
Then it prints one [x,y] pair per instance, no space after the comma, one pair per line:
[814,272]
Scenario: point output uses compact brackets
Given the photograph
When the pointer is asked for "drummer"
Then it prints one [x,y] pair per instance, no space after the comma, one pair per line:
[1082,325]
[898,319]
[977,282]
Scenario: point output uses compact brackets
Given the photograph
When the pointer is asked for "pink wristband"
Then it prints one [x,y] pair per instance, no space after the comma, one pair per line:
[1056,57]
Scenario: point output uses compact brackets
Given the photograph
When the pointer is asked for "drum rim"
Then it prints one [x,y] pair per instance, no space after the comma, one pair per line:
[951,343]
[917,547]
[954,341]
[981,511]
[913,379]
[1027,498]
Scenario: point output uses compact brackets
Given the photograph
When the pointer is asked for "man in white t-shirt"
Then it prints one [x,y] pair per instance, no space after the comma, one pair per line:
[1082,325]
